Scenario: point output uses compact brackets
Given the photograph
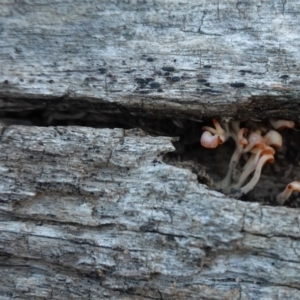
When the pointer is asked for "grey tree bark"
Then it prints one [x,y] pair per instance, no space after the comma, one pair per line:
[95,213]
[156,58]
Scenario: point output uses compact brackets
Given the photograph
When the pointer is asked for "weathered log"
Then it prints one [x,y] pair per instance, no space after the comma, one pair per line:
[89,213]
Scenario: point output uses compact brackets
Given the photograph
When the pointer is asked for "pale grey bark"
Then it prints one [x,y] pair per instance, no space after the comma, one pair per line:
[156,58]
[98,203]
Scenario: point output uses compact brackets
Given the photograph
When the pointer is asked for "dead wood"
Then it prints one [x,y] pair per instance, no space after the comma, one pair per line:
[101,210]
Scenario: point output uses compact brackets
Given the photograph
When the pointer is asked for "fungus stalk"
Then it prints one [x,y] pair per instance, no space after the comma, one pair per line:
[256,153]
[248,169]
[251,184]
[283,196]
[240,142]
[259,147]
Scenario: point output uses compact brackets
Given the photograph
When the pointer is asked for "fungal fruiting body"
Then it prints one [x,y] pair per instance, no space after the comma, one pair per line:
[213,137]
[251,184]
[273,138]
[281,124]
[240,141]
[283,196]
[259,144]
[208,140]
[252,165]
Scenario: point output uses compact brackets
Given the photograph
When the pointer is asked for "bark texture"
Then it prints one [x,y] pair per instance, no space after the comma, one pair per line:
[156,58]
[94,213]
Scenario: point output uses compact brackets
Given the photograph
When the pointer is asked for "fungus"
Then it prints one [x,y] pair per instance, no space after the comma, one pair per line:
[261,149]
[254,140]
[213,137]
[210,141]
[283,196]
[257,147]
[240,135]
[252,163]
[240,141]
[251,184]
[273,138]
[281,124]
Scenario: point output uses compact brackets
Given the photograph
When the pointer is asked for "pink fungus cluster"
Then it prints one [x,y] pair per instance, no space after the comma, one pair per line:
[260,145]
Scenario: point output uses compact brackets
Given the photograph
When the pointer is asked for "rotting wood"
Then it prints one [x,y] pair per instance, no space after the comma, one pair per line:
[96,212]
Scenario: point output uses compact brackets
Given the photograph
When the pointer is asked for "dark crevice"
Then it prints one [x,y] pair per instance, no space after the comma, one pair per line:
[210,165]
